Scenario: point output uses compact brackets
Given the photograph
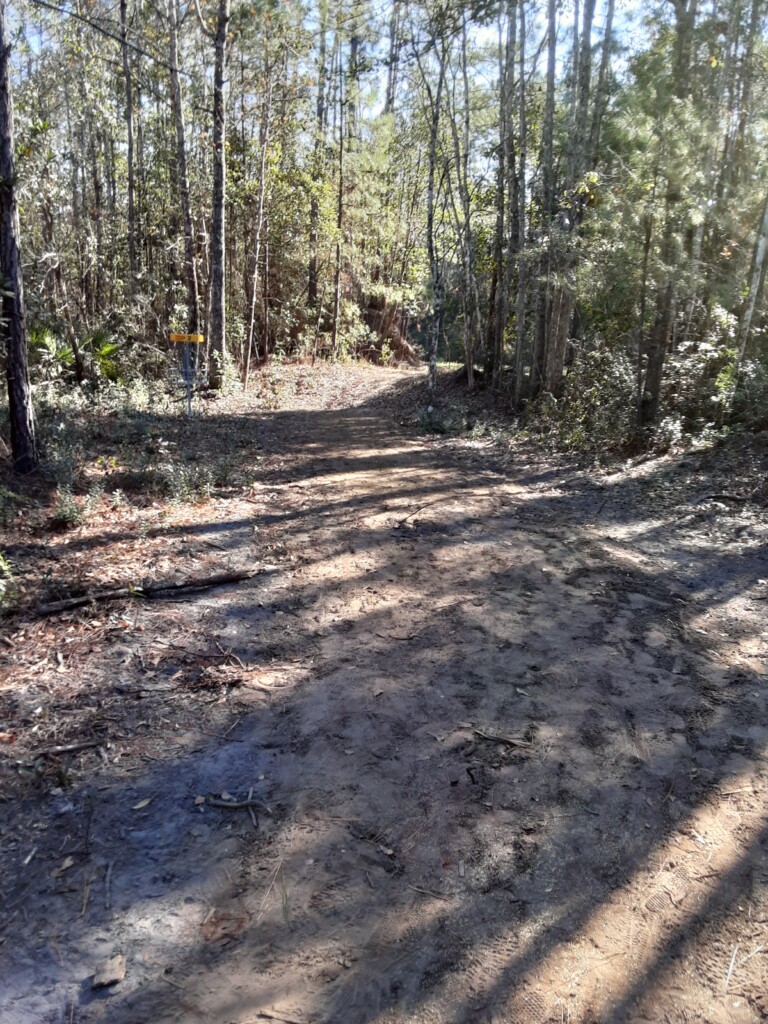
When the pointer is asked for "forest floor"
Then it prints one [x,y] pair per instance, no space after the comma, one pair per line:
[504,718]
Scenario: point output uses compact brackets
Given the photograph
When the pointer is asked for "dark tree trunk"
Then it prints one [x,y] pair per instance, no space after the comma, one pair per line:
[129,133]
[548,206]
[521,276]
[182,173]
[314,205]
[393,58]
[13,324]
[339,210]
[435,271]
[217,329]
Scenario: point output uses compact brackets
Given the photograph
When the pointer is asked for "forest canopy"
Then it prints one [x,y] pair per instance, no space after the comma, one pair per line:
[569,198]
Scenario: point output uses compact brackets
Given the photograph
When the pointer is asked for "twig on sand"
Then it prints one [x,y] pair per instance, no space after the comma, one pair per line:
[107,885]
[237,805]
[511,741]
[429,892]
[416,512]
[149,591]
[730,969]
[70,748]
[266,1015]
[721,497]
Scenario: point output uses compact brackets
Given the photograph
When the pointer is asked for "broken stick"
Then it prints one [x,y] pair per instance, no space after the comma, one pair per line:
[237,805]
[511,741]
[149,591]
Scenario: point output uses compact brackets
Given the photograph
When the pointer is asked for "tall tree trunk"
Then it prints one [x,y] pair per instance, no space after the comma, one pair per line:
[658,342]
[133,267]
[182,173]
[521,219]
[217,327]
[601,91]
[756,276]
[257,232]
[435,272]
[547,203]
[339,210]
[498,306]
[393,57]
[317,161]
[13,322]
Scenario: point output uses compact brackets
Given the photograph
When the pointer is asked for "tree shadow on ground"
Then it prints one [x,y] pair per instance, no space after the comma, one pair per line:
[508,778]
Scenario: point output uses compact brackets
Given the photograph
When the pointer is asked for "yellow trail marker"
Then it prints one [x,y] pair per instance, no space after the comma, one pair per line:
[196,339]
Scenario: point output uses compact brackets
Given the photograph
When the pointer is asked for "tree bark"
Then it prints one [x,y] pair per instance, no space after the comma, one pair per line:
[601,90]
[13,323]
[521,219]
[339,209]
[548,204]
[190,264]
[129,135]
[217,327]
[435,273]
[756,276]
[257,232]
[317,161]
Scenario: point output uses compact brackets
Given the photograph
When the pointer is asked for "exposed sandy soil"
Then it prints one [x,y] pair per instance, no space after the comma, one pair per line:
[511,726]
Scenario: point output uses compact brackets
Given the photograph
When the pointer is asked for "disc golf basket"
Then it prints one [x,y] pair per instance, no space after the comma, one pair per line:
[189,363]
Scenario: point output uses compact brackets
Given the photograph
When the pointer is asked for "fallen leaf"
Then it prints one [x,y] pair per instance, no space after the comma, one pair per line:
[141,804]
[64,866]
[199,800]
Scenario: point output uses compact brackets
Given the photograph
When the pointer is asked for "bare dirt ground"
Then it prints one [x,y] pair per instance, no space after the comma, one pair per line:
[510,722]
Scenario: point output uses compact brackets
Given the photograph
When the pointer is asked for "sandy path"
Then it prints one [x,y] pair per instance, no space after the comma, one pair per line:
[514,751]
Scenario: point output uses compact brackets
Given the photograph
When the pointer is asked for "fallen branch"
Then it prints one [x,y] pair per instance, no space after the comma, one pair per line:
[430,892]
[266,1015]
[237,805]
[151,591]
[70,748]
[412,514]
[721,497]
[497,738]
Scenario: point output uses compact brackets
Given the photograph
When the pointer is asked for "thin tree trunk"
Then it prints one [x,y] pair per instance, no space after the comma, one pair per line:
[257,233]
[756,275]
[601,91]
[513,181]
[265,354]
[317,160]
[217,329]
[548,203]
[13,323]
[521,219]
[129,134]
[658,342]
[641,323]
[393,58]
[339,212]
[434,265]
[190,264]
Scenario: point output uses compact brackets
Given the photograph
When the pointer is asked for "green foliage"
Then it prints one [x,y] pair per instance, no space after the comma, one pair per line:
[48,353]
[67,512]
[597,412]
[6,581]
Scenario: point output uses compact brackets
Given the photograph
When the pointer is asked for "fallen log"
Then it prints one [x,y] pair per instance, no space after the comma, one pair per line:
[149,591]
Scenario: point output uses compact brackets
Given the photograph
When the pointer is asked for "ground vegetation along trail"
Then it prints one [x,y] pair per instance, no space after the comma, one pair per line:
[511,732]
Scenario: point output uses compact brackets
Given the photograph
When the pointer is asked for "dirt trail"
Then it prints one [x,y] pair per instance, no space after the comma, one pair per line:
[512,733]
